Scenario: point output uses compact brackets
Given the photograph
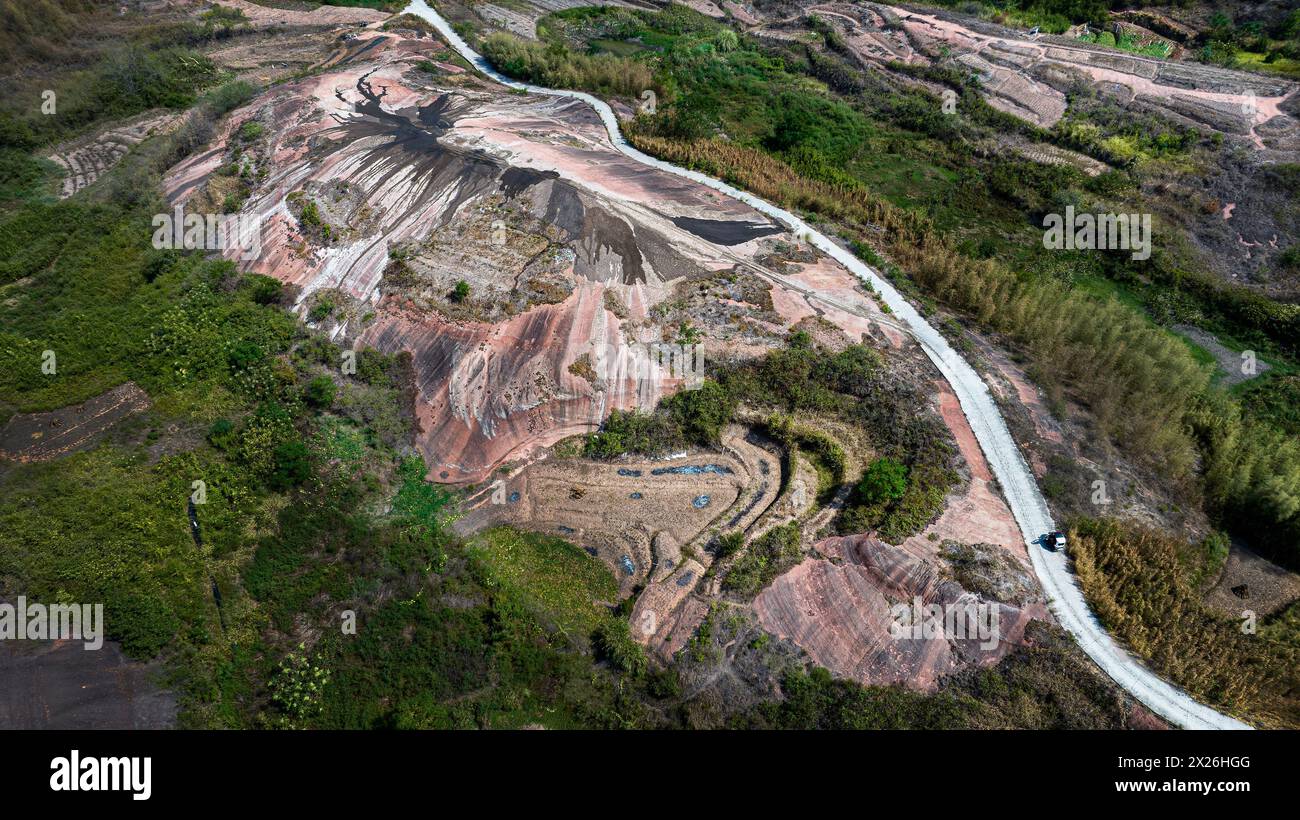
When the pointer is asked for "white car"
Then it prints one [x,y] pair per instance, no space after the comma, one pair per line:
[1055,541]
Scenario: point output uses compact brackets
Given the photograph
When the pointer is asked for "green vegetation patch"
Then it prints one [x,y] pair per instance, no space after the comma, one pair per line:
[548,576]
[769,555]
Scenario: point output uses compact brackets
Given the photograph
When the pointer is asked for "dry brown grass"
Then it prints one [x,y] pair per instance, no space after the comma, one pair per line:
[1136,581]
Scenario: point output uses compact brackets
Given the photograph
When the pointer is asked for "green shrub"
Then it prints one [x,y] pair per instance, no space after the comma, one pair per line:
[884,481]
[730,543]
[264,290]
[701,414]
[292,465]
[769,555]
[613,642]
[556,66]
[221,434]
[320,392]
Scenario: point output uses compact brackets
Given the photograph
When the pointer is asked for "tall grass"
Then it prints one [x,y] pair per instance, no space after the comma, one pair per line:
[560,68]
[1137,583]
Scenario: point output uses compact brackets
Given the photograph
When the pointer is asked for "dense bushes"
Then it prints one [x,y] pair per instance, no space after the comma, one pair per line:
[613,642]
[1139,381]
[884,481]
[694,417]
[1137,581]
[803,378]
[1049,686]
[125,81]
[1252,475]
[815,700]
[558,67]
[701,413]
[1275,399]
[1052,15]
[768,555]
[98,528]
[633,432]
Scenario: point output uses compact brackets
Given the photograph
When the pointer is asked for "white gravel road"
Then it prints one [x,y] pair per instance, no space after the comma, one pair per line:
[1018,484]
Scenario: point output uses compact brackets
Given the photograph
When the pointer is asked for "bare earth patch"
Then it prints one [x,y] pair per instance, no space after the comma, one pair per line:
[61,685]
[43,436]
[1251,582]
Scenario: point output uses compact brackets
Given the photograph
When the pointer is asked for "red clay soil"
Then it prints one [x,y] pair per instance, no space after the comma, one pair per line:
[977,514]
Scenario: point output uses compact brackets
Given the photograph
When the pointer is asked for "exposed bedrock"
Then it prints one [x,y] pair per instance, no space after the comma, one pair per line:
[838,609]
[1030,77]
[488,393]
[391,185]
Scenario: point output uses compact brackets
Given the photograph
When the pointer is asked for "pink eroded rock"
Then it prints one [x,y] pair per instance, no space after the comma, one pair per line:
[391,163]
[826,288]
[841,613]
[977,514]
[492,393]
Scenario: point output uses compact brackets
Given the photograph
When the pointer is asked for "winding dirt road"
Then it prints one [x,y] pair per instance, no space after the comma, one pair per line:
[1018,485]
